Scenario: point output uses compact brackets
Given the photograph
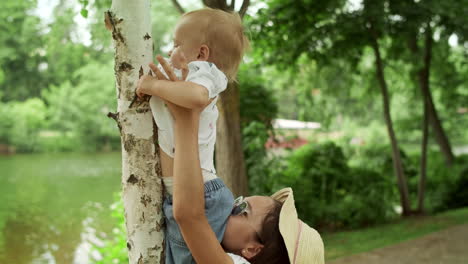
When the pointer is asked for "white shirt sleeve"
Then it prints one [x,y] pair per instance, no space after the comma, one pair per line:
[207,75]
[238,259]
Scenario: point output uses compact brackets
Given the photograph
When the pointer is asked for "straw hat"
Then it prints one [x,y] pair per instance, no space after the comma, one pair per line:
[303,243]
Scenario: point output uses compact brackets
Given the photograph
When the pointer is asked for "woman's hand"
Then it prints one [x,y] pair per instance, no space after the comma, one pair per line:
[148,82]
[178,112]
[169,70]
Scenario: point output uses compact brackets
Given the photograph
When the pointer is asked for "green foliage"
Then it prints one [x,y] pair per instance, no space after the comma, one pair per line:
[20,53]
[330,193]
[258,108]
[446,186]
[114,249]
[457,197]
[263,170]
[82,109]
[84,11]
[256,102]
[20,123]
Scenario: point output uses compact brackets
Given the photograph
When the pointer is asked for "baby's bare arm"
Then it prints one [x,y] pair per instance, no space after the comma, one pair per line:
[186,94]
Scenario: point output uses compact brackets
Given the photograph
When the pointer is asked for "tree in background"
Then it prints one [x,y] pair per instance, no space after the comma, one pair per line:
[21,57]
[130,24]
[412,28]
[324,31]
[230,164]
[400,34]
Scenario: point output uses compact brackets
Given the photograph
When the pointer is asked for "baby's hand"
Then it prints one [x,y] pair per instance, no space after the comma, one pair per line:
[144,85]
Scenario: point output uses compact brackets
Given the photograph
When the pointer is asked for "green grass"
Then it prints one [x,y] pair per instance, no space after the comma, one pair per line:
[341,244]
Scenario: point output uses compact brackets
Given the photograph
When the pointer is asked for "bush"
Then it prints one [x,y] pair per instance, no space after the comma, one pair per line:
[263,170]
[21,122]
[447,187]
[81,110]
[329,193]
[256,102]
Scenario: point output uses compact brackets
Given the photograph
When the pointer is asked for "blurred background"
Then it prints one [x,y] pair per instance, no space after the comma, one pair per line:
[334,95]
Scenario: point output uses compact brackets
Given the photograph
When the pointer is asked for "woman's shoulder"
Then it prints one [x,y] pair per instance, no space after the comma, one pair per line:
[238,259]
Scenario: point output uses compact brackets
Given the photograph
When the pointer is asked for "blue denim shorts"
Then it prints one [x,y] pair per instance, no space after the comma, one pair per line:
[218,206]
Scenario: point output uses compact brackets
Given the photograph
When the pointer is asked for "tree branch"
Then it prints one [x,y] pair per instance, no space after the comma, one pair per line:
[244,7]
[178,6]
[232,5]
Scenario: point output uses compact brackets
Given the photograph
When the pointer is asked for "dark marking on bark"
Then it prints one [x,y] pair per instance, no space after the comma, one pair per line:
[143,217]
[145,199]
[129,246]
[134,100]
[110,21]
[129,142]
[140,72]
[116,35]
[142,183]
[117,76]
[157,166]
[156,247]
[142,110]
[125,66]
[160,225]
[162,259]
[132,179]
[146,37]
[107,20]
[153,250]
[159,206]
[137,101]
[140,259]
[115,116]
[154,229]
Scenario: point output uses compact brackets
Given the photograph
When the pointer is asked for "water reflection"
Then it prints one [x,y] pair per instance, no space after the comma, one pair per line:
[53,205]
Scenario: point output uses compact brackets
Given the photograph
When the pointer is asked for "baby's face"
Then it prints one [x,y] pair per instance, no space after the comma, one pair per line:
[186,41]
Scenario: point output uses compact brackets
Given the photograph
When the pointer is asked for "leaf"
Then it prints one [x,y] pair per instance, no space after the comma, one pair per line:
[84,13]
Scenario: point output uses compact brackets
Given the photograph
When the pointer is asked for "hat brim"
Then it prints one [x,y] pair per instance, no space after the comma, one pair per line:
[303,243]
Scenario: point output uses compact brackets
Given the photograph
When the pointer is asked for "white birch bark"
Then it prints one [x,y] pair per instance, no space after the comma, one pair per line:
[130,24]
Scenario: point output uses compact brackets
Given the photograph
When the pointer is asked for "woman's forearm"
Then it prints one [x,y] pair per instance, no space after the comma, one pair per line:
[186,94]
[188,180]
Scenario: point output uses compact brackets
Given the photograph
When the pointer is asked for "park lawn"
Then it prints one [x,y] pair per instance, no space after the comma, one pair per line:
[346,243]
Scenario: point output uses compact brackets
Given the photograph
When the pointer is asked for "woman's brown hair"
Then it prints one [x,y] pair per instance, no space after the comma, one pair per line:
[274,250]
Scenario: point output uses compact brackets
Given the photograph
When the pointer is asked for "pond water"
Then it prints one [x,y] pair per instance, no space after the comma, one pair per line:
[54,207]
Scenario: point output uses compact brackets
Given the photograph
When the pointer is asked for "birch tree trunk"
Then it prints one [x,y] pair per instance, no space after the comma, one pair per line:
[142,191]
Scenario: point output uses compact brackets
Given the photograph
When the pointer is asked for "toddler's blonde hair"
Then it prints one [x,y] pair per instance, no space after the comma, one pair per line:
[223,33]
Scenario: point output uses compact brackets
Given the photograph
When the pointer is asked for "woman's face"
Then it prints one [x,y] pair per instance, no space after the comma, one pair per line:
[242,231]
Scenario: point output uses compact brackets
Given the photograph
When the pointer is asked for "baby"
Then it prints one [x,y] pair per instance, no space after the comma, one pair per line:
[212,42]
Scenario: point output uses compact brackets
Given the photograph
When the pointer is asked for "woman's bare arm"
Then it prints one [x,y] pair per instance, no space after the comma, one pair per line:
[188,201]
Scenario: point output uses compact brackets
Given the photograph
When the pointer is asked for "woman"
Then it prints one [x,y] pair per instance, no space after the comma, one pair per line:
[261,229]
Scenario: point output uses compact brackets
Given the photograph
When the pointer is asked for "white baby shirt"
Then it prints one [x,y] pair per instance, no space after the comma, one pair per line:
[214,80]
